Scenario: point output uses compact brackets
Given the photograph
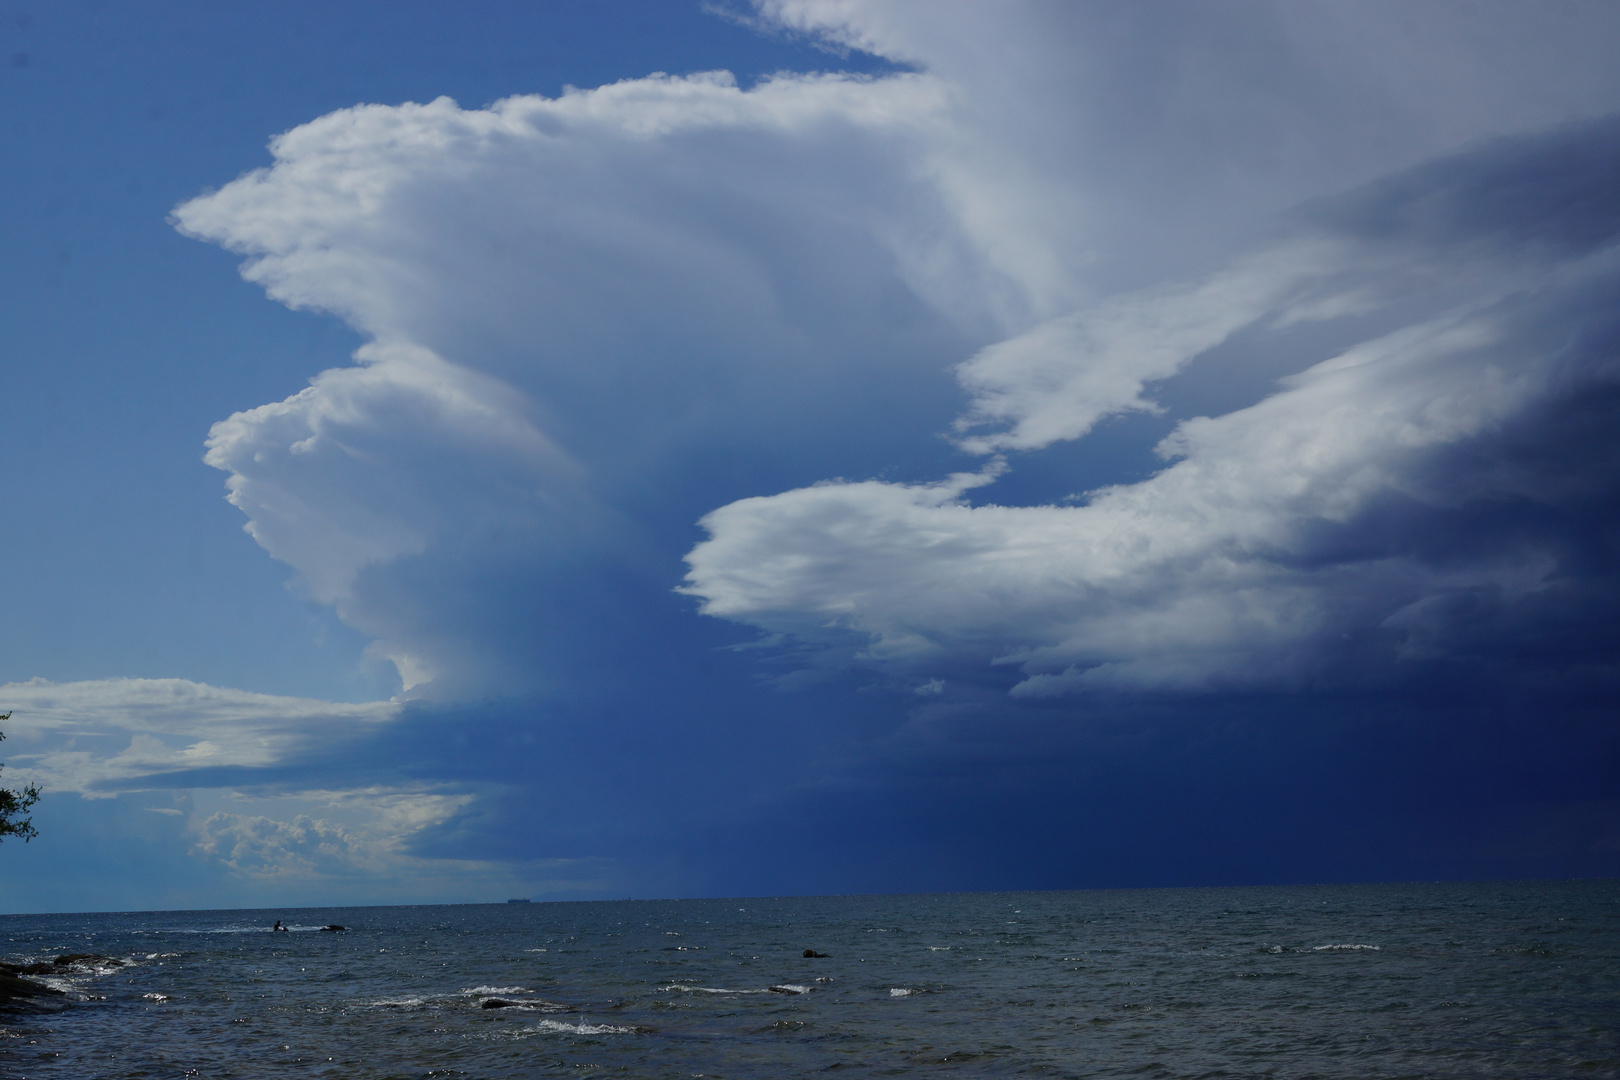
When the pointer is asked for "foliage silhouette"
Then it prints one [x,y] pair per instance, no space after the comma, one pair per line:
[13,803]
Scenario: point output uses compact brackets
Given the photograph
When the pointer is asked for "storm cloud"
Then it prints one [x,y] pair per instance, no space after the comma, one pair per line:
[1101,445]
[1411,497]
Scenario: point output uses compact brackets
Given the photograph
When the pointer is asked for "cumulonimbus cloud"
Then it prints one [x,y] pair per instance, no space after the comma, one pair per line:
[592,318]
[565,296]
[1334,528]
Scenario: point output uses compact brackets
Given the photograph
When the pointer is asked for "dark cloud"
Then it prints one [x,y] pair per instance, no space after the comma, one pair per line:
[1547,195]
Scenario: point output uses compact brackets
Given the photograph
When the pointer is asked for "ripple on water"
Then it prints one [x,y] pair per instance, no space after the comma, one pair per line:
[1175,983]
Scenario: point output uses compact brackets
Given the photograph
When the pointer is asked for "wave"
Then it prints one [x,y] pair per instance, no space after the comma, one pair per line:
[779,988]
[248,929]
[1538,949]
[1346,948]
[69,973]
[901,991]
[583,1028]
[487,990]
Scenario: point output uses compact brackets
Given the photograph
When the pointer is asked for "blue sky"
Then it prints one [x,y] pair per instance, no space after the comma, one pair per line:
[813,446]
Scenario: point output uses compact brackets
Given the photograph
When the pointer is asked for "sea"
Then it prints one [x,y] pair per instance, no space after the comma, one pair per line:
[1443,980]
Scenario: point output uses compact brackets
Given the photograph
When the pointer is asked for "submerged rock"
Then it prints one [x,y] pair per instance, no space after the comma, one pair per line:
[811,954]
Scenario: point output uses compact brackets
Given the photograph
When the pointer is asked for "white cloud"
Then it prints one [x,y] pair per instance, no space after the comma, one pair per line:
[1219,570]
[1057,380]
[360,832]
[340,844]
[109,735]
[299,467]
[238,767]
[1113,146]
[263,847]
[566,295]
[583,310]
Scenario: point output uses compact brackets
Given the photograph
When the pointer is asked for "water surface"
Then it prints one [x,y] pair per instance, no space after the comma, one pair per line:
[1509,980]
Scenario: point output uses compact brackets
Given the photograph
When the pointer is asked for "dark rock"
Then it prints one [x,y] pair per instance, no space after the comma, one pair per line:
[66,963]
[811,954]
[87,958]
[16,990]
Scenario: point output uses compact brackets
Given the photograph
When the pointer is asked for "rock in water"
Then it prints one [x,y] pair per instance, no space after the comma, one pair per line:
[14,989]
[67,962]
[87,958]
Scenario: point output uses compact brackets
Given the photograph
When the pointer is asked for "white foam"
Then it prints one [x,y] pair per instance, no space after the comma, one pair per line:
[789,988]
[583,1028]
[940,948]
[56,982]
[81,968]
[156,997]
[709,989]
[486,991]
[900,992]
[1345,948]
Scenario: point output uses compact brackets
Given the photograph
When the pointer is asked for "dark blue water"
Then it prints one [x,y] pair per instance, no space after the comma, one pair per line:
[1509,980]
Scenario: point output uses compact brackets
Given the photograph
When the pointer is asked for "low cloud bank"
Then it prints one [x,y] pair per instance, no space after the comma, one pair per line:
[267,789]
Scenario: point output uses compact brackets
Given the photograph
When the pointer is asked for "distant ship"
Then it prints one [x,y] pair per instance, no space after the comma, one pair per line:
[519,900]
